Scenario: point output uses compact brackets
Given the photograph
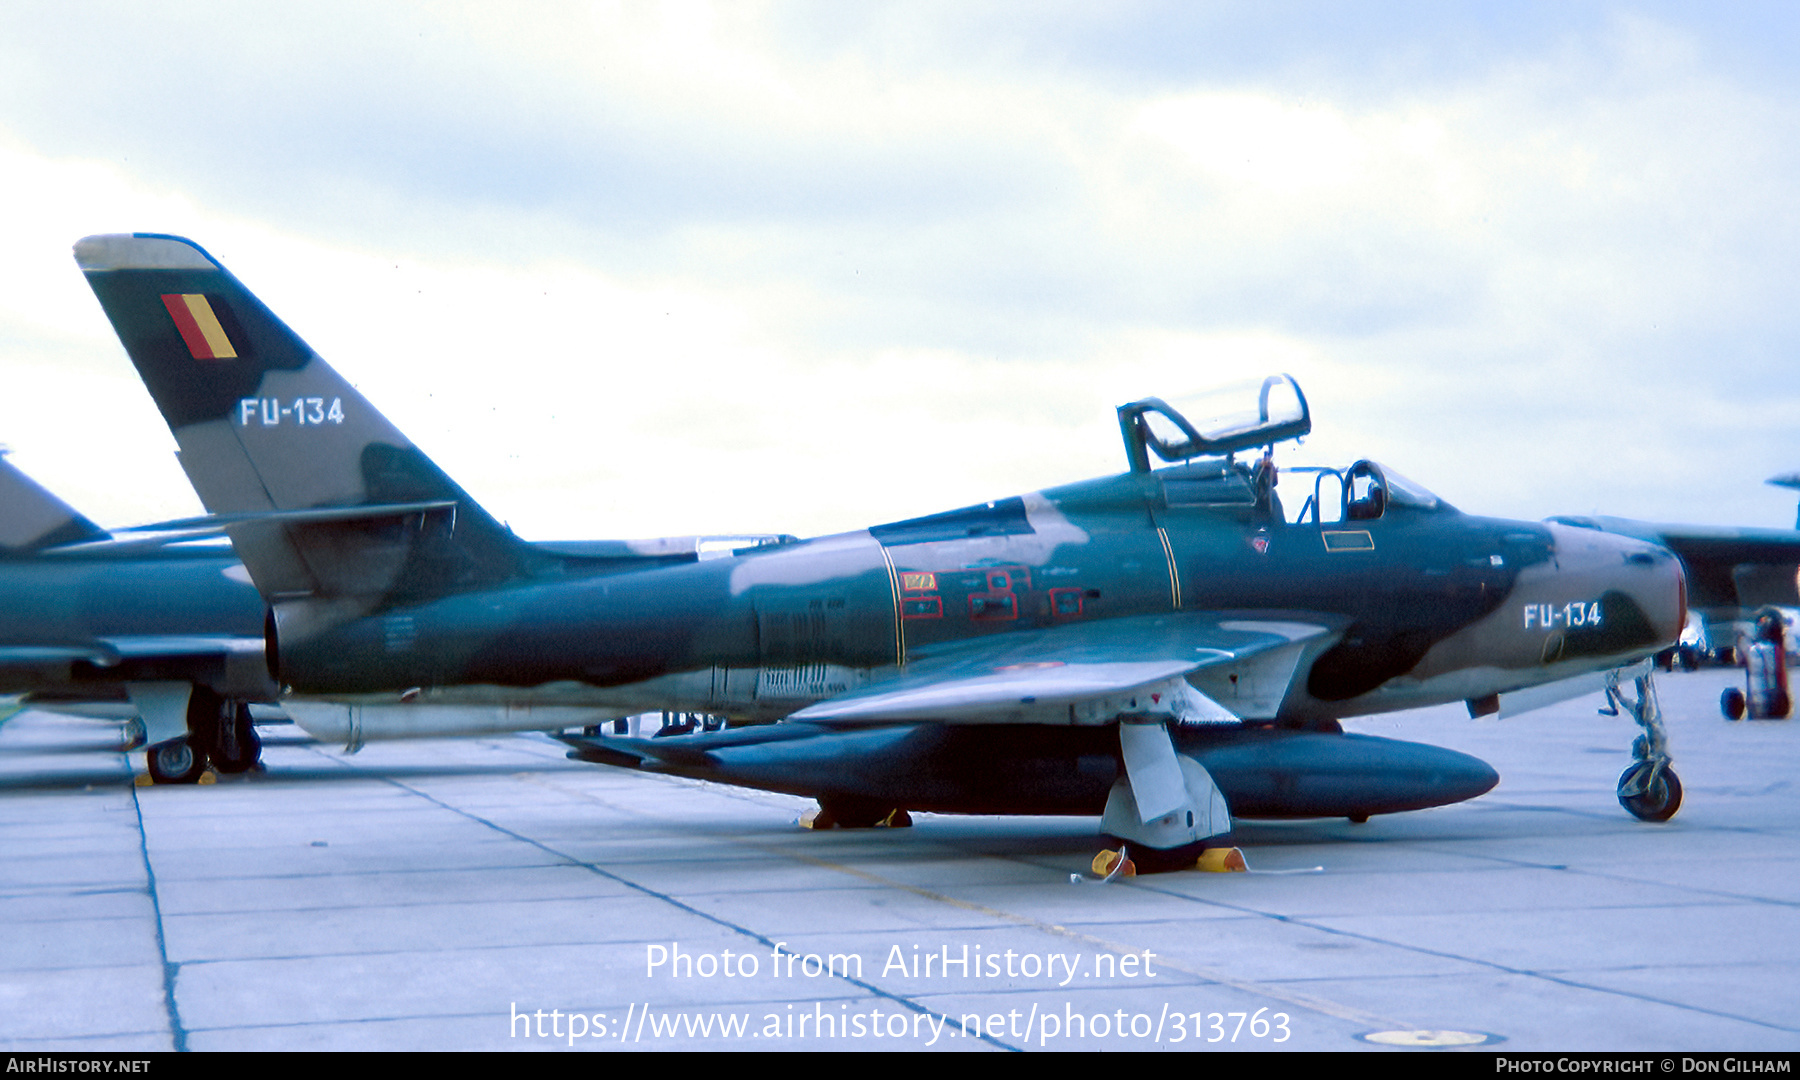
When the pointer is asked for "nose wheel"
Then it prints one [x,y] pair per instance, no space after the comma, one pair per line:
[1649,792]
[1649,789]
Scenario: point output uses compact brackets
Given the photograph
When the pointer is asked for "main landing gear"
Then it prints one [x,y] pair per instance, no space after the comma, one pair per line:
[849,812]
[1649,789]
[176,762]
[236,747]
[220,732]
[1164,811]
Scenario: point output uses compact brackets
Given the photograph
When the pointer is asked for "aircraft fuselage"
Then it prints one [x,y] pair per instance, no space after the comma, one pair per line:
[1425,606]
[75,623]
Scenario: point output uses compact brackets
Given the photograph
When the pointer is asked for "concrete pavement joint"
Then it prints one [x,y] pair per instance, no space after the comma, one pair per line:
[670,900]
[170,971]
[1476,961]
[1303,1001]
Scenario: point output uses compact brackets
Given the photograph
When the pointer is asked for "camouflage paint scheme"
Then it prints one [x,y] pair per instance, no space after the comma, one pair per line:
[981,659]
[1731,572]
[171,632]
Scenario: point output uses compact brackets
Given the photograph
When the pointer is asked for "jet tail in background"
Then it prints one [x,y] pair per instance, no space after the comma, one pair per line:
[32,519]
[1788,480]
[266,427]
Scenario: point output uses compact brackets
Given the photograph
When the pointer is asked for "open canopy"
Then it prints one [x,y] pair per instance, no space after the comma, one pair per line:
[1216,422]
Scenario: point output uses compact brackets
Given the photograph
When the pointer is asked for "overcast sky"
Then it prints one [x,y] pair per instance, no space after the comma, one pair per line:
[634,269]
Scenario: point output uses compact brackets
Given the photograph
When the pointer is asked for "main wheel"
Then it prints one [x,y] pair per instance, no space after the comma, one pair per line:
[1658,801]
[237,748]
[175,762]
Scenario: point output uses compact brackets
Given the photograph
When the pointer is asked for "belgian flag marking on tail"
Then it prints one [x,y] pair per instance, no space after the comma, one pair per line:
[200,329]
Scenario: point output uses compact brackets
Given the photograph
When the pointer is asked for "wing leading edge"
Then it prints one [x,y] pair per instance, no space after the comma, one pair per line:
[1086,674]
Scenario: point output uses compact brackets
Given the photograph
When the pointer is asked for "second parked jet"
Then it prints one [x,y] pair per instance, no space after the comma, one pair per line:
[165,632]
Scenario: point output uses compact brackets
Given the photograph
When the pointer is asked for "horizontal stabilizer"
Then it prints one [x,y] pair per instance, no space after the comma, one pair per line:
[212,524]
[143,542]
[163,534]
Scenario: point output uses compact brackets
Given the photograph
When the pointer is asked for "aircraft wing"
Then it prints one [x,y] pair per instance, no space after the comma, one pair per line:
[1746,567]
[1726,567]
[1715,544]
[1083,674]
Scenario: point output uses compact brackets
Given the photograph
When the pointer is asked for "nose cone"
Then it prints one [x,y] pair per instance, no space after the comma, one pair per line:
[1625,597]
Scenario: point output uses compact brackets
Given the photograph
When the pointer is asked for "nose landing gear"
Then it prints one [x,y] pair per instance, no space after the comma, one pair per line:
[1650,792]
[1649,789]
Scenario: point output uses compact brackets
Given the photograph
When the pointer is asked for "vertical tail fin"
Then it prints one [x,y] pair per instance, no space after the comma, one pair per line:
[266,426]
[32,519]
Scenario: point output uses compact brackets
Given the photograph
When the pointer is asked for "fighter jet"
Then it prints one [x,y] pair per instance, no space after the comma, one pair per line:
[152,626]
[1162,647]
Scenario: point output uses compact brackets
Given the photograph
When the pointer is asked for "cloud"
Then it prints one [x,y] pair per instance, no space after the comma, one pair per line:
[632,267]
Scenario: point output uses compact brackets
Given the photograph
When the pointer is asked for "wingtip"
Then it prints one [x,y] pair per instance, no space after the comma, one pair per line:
[141,251]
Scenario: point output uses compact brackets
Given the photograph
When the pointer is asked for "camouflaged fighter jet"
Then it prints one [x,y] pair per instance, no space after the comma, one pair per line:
[1164,647]
[146,626]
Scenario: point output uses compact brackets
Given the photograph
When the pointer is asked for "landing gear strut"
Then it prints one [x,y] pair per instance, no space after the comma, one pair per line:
[236,748]
[1649,789]
[1184,806]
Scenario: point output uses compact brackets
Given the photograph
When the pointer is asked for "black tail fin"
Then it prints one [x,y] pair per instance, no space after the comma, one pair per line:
[32,519]
[267,427]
